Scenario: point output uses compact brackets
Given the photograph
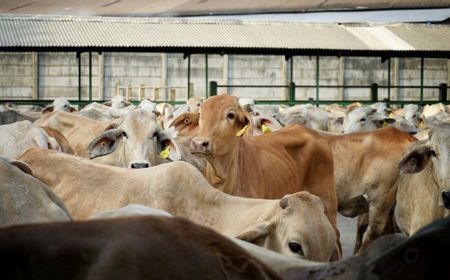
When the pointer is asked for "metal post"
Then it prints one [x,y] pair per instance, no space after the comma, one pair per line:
[374,92]
[90,76]
[206,72]
[291,93]
[213,88]
[317,80]
[79,75]
[389,79]
[443,93]
[189,77]
[421,80]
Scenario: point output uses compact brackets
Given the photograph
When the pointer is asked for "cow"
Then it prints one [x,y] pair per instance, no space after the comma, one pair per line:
[24,199]
[59,104]
[135,142]
[18,137]
[295,225]
[366,174]
[307,115]
[11,115]
[289,160]
[423,194]
[133,248]
[365,119]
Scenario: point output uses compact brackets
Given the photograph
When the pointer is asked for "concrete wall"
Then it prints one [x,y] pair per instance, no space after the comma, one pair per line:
[22,75]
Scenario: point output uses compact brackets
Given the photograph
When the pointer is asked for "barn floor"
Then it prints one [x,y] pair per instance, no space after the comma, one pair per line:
[347,227]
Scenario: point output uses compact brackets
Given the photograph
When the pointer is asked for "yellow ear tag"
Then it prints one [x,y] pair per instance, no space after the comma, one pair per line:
[241,132]
[421,124]
[265,128]
[385,123]
[165,153]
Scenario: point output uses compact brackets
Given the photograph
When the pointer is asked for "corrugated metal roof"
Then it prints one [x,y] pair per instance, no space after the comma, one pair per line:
[196,7]
[97,33]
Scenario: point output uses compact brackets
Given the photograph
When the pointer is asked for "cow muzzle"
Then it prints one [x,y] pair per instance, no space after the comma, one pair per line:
[200,145]
[137,165]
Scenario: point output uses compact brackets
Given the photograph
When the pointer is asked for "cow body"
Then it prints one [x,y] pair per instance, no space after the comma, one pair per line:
[133,248]
[424,187]
[181,190]
[18,137]
[365,174]
[24,199]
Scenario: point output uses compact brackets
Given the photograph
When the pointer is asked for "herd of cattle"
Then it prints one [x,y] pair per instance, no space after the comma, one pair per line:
[219,189]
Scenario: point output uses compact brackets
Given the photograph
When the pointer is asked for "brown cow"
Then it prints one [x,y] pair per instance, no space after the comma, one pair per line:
[132,248]
[365,173]
[289,160]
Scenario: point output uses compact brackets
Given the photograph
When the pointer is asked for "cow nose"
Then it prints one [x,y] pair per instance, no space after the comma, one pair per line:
[200,145]
[139,165]
[446,199]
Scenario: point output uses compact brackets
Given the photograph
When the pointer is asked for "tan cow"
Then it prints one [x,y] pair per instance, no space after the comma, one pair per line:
[289,160]
[18,137]
[423,194]
[294,225]
[133,248]
[365,174]
[24,199]
[135,142]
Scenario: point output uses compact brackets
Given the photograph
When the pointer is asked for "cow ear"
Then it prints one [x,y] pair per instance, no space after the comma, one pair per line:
[22,166]
[72,109]
[416,160]
[256,233]
[108,103]
[105,143]
[167,147]
[244,120]
[48,109]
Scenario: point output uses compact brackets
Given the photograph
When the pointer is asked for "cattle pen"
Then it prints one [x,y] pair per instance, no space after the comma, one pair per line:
[81,40]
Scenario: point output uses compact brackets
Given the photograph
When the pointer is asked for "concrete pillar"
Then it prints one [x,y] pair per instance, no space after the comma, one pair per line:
[284,77]
[225,70]
[448,71]
[101,77]
[395,79]
[164,74]
[341,78]
[35,74]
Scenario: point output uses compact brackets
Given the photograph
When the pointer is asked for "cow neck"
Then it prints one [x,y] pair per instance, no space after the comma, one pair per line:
[222,171]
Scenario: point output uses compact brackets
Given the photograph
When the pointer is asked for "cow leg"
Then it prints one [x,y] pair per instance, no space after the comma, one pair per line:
[379,219]
[361,226]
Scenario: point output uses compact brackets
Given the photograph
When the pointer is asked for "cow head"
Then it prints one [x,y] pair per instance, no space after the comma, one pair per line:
[222,121]
[434,154]
[301,229]
[59,104]
[138,141]
[365,119]
[186,124]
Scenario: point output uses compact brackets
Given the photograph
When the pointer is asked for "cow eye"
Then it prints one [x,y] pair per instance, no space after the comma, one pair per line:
[230,115]
[186,121]
[124,134]
[362,120]
[296,248]
[155,134]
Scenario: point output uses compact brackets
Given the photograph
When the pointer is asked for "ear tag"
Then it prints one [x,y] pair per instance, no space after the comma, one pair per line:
[385,124]
[165,153]
[421,124]
[241,132]
[265,128]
